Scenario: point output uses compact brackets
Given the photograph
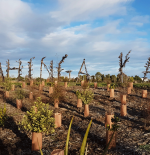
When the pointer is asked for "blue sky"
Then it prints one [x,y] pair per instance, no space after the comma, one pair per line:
[92,29]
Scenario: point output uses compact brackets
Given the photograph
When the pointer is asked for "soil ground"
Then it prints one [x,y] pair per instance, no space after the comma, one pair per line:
[15,142]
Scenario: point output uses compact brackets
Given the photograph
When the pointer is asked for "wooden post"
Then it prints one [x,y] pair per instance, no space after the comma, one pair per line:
[69,71]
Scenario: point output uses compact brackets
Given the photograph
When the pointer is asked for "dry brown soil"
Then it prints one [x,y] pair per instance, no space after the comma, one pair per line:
[15,142]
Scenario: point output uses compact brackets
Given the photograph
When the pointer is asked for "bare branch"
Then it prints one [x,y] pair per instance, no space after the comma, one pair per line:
[123,64]
[147,67]
[59,65]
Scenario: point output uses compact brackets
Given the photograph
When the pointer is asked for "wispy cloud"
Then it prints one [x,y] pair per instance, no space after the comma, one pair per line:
[143,19]
[140,20]
[88,10]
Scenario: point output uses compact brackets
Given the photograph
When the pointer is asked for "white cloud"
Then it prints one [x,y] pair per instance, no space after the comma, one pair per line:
[104,46]
[136,24]
[25,33]
[82,28]
[141,19]
[18,22]
[62,37]
[131,30]
[109,28]
[12,10]
[10,14]
[71,10]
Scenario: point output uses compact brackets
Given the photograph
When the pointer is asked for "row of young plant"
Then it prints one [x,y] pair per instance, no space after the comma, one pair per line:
[20,93]
[8,84]
[84,147]
[35,127]
[85,95]
[43,122]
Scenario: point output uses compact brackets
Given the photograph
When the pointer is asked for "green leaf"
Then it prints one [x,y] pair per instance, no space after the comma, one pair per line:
[34,122]
[39,147]
[68,136]
[85,139]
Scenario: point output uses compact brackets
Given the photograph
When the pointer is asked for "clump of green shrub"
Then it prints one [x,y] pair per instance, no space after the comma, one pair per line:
[131,79]
[78,84]
[36,83]
[79,94]
[87,96]
[7,84]
[28,83]
[112,86]
[13,78]
[51,84]
[38,79]
[3,116]
[18,85]
[40,121]
[66,79]
[20,94]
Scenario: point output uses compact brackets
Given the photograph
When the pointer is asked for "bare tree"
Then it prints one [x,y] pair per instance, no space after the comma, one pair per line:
[147,67]
[30,65]
[59,66]
[41,68]
[14,68]
[7,65]
[19,69]
[123,64]
[46,68]
[1,72]
[51,69]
